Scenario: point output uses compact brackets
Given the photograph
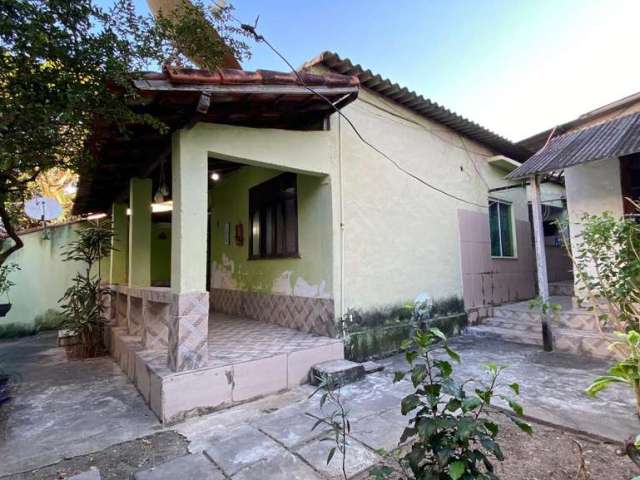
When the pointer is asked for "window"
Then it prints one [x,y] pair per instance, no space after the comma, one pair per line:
[501,229]
[273,217]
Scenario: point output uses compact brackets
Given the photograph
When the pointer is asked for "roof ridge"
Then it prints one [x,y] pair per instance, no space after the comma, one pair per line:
[425,107]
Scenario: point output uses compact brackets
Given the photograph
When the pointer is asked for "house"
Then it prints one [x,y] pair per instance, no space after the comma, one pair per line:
[263,217]
[597,153]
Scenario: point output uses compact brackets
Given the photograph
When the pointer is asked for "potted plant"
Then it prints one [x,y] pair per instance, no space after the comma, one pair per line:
[5,285]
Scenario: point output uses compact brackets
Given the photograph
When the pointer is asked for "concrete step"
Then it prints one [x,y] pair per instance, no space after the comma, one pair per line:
[578,319]
[566,340]
[528,325]
[564,289]
[507,334]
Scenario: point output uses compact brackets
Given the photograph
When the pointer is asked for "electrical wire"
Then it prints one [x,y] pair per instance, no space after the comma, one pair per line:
[251,29]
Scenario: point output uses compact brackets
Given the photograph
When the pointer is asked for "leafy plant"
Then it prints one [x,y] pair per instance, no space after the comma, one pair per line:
[67,71]
[450,437]
[626,371]
[5,283]
[337,420]
[51,319]
[82,304]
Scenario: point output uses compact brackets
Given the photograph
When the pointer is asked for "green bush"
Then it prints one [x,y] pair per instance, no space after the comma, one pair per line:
[16,330]
[52,319]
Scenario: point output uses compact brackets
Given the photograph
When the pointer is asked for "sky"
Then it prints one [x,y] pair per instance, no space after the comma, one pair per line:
[516,67]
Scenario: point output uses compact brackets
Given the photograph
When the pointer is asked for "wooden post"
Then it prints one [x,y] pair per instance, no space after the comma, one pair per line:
[541,263]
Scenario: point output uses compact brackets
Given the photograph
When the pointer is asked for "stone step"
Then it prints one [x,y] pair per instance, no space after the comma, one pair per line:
[566,340]
[529,325]
[576,319]
[508,334]
[561,289]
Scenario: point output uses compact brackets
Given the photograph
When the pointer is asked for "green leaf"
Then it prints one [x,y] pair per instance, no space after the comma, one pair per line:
[445,367]
[398,376]
[470,403]
[515,388]
[524,426]
[409,403]
[452,354]
[436,332]
[331,454]
[601,383]
[456,470]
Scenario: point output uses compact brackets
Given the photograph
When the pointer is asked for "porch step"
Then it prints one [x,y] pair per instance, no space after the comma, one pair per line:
[567,340]
[564,289]
[576,319]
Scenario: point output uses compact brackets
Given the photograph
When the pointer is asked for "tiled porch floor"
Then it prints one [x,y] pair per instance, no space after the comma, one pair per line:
[248,359]
[236,340]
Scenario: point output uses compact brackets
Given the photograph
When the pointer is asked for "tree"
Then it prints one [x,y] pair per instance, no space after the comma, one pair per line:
[65,64]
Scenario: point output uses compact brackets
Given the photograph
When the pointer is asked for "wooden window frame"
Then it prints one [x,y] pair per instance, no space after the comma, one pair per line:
[272,194]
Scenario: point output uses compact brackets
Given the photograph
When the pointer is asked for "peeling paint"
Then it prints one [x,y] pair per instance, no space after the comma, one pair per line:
[308,275]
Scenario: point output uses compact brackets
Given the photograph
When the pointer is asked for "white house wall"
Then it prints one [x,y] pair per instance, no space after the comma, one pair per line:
[402,238]
[592,188]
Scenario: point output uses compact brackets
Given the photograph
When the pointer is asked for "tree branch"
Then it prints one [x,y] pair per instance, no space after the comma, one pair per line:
[6,222]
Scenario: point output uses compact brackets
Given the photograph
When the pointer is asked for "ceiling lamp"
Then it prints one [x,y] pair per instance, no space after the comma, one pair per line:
[163,190]
[215,176]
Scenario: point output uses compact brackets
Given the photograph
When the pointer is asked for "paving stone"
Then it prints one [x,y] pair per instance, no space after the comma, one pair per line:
[187,467]
[338,372]
[240,448]
[377,432]
[291,427]
[372,367]
[92,474]
[284,465]
[358,458]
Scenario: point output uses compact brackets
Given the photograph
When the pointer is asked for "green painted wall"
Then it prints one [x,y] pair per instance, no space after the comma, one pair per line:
[160,254]
[309,275]
[43,277]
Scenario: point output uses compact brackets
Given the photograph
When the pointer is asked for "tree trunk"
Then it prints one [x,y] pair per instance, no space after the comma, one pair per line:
[8,226]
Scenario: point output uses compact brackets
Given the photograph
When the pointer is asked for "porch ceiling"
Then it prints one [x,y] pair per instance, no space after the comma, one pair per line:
[182,97]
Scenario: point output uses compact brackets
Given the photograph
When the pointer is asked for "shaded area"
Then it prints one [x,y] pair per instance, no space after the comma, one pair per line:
[64,408]
[118,461]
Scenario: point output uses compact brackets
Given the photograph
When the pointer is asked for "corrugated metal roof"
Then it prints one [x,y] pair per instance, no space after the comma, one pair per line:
[422,106]
[615,138]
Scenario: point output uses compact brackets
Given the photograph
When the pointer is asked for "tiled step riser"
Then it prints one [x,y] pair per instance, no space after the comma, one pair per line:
[576,321]
[593,346]
[561,290]
[505,334]
[509,324]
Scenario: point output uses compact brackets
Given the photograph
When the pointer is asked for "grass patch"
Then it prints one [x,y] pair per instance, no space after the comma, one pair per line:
[50,320]
[16,330]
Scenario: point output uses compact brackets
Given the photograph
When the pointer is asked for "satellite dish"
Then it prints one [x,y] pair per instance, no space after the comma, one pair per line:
[42,208]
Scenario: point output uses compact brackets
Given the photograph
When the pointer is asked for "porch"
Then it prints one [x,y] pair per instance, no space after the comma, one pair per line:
[222,264]
[246,359]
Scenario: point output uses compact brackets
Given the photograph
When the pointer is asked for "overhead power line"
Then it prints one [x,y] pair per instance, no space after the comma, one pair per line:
[251,29]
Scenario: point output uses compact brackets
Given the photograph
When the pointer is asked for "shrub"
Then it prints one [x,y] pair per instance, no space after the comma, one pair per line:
[49,320]
[450,437]
[82,304]
[16,330]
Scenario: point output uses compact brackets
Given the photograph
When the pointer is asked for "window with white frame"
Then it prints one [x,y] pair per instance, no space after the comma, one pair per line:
[501,229]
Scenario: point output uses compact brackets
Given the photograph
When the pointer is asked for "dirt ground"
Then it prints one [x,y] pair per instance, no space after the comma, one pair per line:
[116,462]
[552,454]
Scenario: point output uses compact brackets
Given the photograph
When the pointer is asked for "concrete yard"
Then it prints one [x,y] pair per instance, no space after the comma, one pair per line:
[68,408]
[64,408]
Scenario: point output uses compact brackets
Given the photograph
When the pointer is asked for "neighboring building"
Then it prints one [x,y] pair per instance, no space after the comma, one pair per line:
[281,213]
[599,156]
